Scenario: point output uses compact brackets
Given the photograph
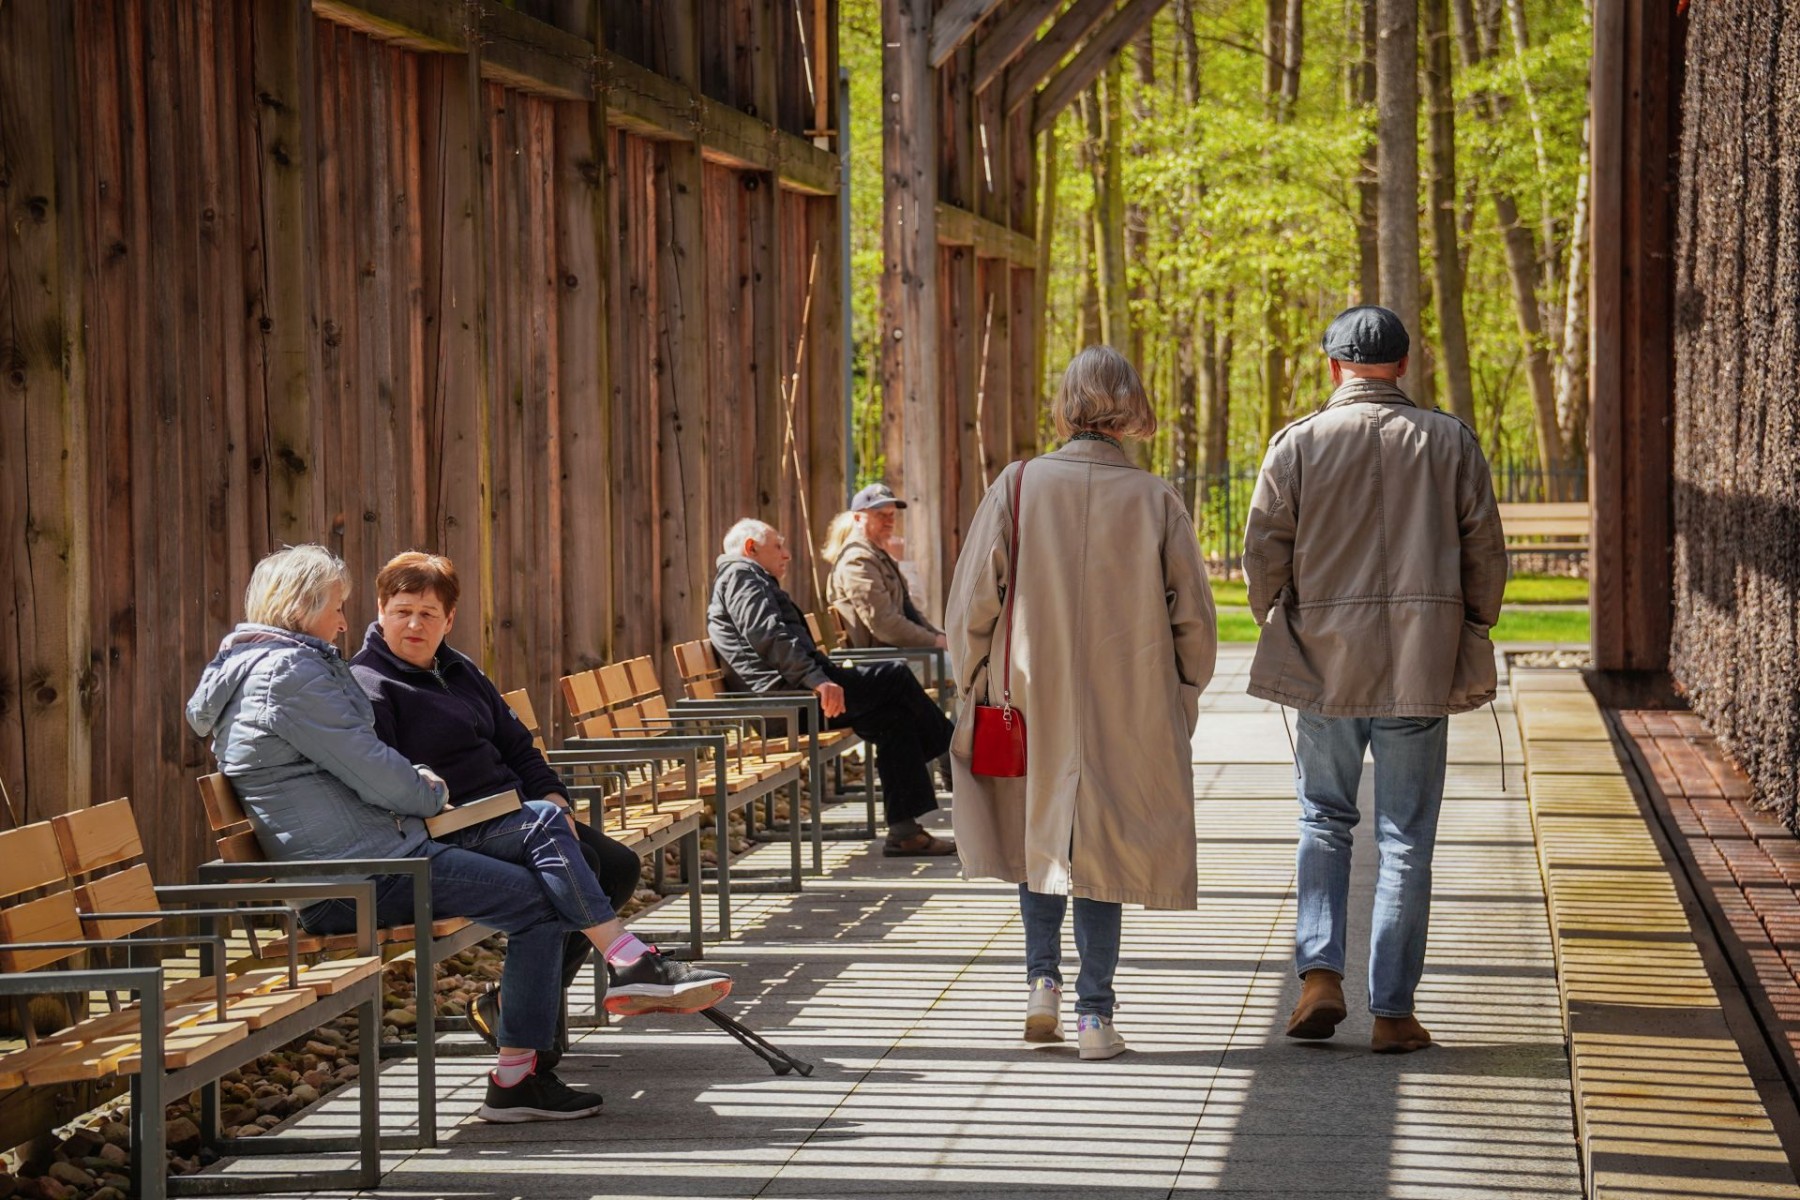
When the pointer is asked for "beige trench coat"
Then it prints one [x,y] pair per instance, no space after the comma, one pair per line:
[1114,638]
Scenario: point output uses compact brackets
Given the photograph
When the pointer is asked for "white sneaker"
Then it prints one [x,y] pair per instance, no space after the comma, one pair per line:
[1043,1012]
[1098,1038]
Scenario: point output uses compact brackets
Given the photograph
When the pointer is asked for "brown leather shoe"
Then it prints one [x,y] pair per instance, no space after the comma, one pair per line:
[919,845]
[1321,1007]
[1398,1035]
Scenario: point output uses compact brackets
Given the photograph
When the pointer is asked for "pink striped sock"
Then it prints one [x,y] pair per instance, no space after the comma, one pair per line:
[513,1068]
[627,950]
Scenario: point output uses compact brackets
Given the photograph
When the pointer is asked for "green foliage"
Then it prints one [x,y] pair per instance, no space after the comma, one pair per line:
[1546,589]
[1228,199]
[1570,626]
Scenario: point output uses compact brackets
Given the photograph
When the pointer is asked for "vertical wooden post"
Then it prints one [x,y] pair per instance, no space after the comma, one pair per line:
[280,76]
[44,737]
[773,311]
[909,282]
[1636,132]
[680,357]
[1027,284]
[583,367]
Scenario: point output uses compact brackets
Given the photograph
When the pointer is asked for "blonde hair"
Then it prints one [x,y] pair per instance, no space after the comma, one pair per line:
[842,526]
[294,585]
[1101,391]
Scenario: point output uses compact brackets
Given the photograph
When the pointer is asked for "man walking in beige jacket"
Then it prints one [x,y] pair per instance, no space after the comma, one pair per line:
[1376,565]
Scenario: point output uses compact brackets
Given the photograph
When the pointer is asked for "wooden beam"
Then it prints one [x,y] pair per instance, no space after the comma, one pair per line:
[517,50]
[534,56]
[426,26]
[803,167]
[649,105]
[734,138]
[1086,66]
[1008,39]
[1083,17]
[990,239]
[953,25]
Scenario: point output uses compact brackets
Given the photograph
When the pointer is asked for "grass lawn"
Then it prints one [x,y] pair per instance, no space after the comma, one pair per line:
[1520,589]
[1236,625]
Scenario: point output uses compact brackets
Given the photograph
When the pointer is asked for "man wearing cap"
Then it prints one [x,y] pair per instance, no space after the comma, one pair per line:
[866,587]
[1376,563]
[760,634]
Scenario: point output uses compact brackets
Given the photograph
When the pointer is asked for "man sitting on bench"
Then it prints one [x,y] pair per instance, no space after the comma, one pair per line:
[438,709]
[761,637]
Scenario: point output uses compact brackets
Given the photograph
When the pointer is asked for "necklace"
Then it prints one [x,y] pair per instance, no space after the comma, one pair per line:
[1094,435]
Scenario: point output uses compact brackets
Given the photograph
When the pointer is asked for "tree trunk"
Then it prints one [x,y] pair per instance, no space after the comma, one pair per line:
[1137,239]
[1089,160]
[1476,34]
[1397,131]
[1216,427]
[1283,44]
[1368,179]
[1446,258]
[1572,367]
[1109,208]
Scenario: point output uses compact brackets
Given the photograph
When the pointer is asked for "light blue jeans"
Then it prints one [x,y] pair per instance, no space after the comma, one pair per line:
[1097,925]
[1409,755]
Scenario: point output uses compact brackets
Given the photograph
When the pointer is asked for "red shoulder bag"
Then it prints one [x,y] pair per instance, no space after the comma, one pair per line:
[999,750]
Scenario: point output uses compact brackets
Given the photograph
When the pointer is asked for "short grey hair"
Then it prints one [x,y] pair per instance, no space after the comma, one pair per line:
[747,530]
[294,585]
[1101,391]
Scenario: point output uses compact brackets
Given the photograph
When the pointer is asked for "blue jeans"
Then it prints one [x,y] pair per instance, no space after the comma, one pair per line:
[1096,940]
[1409,755]
[522,874]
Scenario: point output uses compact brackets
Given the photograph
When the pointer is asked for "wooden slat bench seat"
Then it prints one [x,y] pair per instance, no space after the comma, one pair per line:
[76,885]
[646,816]
[618,710]
[241,857]
[703,677]
[1546,527]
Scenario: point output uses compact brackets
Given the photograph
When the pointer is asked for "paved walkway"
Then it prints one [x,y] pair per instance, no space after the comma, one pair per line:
[903,983]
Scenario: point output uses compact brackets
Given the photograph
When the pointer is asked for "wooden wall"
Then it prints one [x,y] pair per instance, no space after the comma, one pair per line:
[518,288]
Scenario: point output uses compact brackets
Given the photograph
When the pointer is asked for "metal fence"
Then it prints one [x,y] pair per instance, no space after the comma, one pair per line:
[1221,502]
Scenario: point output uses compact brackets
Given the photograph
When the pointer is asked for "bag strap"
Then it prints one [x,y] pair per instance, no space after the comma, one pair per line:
[1012,589]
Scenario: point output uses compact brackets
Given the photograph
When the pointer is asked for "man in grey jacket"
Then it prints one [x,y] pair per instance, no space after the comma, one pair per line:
[760,634]
[1376,565]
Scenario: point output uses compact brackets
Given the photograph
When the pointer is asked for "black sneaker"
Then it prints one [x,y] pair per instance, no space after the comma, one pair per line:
[484,1019]
[540,1096]
[657,984]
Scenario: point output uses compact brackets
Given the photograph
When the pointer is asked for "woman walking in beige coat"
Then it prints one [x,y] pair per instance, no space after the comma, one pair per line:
[1113,638]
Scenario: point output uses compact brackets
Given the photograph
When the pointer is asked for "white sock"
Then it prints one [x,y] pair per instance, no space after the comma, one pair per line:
[627,950]
[513,1068]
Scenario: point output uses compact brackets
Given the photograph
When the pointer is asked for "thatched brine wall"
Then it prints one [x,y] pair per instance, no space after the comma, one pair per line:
[1736,650]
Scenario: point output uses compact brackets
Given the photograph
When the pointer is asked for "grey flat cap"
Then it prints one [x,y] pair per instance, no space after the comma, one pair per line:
[1367,333]
[876,495]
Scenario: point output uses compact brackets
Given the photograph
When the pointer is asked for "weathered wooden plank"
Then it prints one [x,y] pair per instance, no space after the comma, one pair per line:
[583,370]
[954,24]
[1027,308]
[959,362]
[804,167]
[284,297]
[1101,49]
[638,579]
[1008,37]
[45,491]
[1039,62]
[734,138]
[826,405]
[911,419]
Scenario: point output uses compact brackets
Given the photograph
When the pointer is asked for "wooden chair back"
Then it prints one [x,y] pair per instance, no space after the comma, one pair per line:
[616,698]
[230,824]
[520,702]
[702,674]
[840,625]
[103,857]
[30,862]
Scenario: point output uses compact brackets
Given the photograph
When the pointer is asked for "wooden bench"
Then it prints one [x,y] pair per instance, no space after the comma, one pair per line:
[648,820]
[933,665]
[77,884]
[703,678]
[1559,527]
[241,858]
[724,757]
